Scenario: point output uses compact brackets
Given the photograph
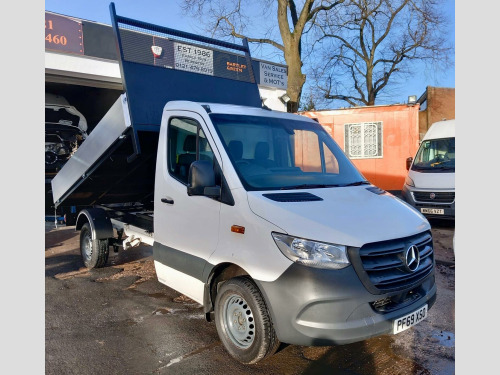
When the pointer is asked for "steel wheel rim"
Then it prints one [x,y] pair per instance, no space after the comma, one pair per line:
[87,247]
[239,321]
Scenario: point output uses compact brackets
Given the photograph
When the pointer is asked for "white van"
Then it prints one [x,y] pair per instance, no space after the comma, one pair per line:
[430,184]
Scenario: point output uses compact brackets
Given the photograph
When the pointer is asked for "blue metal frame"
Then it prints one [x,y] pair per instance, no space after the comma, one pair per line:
[150,87]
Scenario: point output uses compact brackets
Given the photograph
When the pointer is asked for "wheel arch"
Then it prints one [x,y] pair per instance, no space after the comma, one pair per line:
[99,222]
[219,274]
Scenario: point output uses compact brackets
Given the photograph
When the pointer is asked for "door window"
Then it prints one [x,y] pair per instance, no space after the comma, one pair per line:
[186,144]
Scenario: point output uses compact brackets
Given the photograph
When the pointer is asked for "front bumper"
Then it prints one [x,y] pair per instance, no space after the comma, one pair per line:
[449,208]
[312,307]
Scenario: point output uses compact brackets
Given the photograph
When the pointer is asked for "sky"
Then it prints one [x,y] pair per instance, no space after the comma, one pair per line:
[168,13]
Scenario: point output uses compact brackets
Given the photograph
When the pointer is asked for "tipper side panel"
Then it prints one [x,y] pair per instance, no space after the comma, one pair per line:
[157,65]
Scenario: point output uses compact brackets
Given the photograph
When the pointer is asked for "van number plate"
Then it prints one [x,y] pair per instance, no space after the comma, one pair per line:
[405,322]
[433,211]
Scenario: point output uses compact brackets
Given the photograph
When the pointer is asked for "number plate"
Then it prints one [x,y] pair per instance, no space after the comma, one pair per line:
[405,322]
[433,211]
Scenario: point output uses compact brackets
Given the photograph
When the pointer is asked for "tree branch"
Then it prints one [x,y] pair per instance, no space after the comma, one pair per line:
[251,40]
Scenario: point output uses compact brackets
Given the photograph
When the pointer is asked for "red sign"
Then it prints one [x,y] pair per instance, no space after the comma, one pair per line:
[63,34]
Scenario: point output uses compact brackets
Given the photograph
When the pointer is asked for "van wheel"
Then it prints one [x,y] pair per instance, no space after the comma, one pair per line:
[94,252]
[243,321]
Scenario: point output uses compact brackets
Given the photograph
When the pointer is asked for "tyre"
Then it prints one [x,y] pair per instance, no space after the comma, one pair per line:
[94,252]
[243,321]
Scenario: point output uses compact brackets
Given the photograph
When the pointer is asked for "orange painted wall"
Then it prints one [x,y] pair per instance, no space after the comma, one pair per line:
[400,133]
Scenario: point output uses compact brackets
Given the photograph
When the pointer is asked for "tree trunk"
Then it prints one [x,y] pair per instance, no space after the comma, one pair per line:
[291,51]
[296,79]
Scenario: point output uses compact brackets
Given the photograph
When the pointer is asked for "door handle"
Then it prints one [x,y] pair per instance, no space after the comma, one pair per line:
[167,200]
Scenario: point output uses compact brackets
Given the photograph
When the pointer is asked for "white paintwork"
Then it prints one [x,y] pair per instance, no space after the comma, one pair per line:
[255,251]
[185,284]
[200,226]
[351,216]
[441,129]
[191,224]
[433,181]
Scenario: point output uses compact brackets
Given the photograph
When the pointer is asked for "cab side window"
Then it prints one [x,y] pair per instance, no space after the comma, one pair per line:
[186,144]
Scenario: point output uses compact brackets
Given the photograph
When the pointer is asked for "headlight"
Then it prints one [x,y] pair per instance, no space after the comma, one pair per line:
[409,181]
[312,253]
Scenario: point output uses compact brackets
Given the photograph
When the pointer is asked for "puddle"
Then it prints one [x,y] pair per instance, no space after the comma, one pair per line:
[195,352]
[375,356]
[166,311]
[196,316]
[445,338]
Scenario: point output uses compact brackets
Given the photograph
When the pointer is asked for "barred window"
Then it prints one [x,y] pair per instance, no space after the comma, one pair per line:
[363,140]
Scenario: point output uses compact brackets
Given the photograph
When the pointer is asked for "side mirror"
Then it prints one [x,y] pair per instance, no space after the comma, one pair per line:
[408,163]
[201,179]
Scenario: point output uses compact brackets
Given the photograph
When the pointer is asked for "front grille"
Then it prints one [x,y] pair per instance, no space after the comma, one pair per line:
[398,301]
[381,265]
[439,197]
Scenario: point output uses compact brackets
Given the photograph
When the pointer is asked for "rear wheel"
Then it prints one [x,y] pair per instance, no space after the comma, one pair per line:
[243,322]
[94,252]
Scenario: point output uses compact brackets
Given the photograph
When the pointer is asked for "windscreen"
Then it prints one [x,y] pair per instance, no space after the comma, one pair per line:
[273,153]
[435,155]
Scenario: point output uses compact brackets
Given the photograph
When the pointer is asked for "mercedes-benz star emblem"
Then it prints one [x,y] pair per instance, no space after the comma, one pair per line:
[412,258]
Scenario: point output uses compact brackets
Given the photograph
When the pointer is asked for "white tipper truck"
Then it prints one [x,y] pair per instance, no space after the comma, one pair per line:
[255,214]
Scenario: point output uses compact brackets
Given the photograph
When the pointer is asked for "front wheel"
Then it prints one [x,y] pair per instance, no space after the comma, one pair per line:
[243,322]
[94,252]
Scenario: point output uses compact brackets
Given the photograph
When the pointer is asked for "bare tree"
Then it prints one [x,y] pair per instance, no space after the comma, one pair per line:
[235,18]
[368,44]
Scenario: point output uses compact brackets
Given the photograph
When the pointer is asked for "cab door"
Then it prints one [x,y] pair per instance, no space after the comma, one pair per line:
[186,227]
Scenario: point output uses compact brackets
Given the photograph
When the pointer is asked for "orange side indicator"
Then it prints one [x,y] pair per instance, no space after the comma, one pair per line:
[238,229]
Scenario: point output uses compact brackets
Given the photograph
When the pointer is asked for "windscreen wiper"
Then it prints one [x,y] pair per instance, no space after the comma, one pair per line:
[357,183]
[416,168]
[318,186]
[308,186]
[432,168]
